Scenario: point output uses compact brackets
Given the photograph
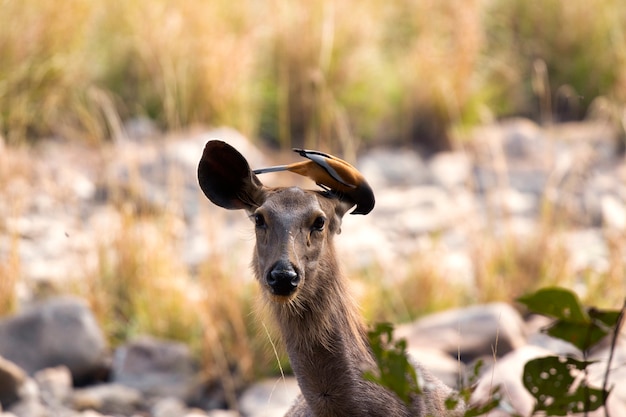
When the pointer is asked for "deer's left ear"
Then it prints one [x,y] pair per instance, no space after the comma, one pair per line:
[338,207]
[342,207]
[226,179]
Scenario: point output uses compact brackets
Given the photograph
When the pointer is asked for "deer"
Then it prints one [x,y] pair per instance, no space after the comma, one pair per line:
[295,262]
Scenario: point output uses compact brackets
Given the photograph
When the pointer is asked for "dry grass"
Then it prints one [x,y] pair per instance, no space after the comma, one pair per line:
[139,286]
[511,266]
[9,277]
[15,176]
[423,288]
[326,74]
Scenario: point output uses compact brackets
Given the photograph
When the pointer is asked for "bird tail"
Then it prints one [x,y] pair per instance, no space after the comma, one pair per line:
[271,169]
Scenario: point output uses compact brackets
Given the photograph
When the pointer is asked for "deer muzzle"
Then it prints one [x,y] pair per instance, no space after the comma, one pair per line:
[283,279]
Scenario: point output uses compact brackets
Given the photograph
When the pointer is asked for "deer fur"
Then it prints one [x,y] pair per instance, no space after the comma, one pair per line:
[319,322]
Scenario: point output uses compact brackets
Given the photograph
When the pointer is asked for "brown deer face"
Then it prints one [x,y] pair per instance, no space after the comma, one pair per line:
[294,227]
[294,230]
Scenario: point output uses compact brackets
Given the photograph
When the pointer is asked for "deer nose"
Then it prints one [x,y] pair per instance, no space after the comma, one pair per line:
[283,279]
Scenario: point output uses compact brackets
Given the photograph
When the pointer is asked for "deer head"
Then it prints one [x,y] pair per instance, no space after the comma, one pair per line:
[294,227]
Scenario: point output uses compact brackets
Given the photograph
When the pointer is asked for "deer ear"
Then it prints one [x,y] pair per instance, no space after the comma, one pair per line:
[340,208]
[226,179]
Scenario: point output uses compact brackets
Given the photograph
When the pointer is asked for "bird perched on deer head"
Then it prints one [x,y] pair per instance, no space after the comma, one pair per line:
[332,174]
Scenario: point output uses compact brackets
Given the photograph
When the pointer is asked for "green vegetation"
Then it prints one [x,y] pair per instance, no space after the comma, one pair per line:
[325,74]
[554,381]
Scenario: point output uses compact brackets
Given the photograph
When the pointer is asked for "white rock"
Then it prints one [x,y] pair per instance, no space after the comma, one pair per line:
[269,398]
[613,213]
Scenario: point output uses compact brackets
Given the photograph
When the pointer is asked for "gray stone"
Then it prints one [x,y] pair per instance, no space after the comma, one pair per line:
[269,398]
[613,213]
[55,385]
[168,407]
[443,366]
[507,373]
[57,331]
[473,331]
[12,380]
[155,367]
[394,167]
[30,408]
[587,250]
[522,139]
[450,169]
[215,413]
[616,377]
[108,399]
[139,129]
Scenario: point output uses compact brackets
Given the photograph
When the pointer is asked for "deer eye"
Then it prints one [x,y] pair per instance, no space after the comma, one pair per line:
[259,221]
[319,223]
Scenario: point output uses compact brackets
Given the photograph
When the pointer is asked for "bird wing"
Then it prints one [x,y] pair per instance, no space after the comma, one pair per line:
[321,159]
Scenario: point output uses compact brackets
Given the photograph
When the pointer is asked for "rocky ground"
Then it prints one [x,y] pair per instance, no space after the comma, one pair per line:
[56,211]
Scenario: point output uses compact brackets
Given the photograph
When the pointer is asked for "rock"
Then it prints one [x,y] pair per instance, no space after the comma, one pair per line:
[12,380]
[57,331]
[441,365]
[597,373]
[173,407]
[594,257]
[512,202]
[507,372]
[598,135]
[55,385]
[216,413]
[536,337]
[29,404]
[394,167]
[450,169]
[139,129]
[522,139]
[30,408]
[269,398]
[155,367]
[168,407]
[613,213]
[108,399]
[473,331]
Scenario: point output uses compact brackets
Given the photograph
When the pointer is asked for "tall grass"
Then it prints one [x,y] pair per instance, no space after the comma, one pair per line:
[326,73]
[15,177]
[566,38]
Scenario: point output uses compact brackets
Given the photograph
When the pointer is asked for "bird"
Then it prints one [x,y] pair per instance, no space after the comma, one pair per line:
[334,175]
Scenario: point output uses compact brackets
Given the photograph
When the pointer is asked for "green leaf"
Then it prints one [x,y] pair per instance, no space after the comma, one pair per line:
[583,336]
[556,302]
[607,317]
[550,380]
[394,369]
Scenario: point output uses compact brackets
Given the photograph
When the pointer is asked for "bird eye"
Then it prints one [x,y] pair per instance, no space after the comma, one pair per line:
[319,223]
[259,220]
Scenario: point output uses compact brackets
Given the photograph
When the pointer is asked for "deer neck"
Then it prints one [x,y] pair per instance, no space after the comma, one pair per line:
[328,350]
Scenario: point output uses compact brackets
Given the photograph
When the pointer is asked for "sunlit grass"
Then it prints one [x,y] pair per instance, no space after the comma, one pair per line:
[326,74]
[9,276]
[15,176]
[139,287]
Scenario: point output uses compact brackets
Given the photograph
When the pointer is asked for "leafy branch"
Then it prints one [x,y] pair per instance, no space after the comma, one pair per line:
[560,384]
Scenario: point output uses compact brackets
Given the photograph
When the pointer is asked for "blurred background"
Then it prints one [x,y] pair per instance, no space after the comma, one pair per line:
[325,73]
[492,131]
